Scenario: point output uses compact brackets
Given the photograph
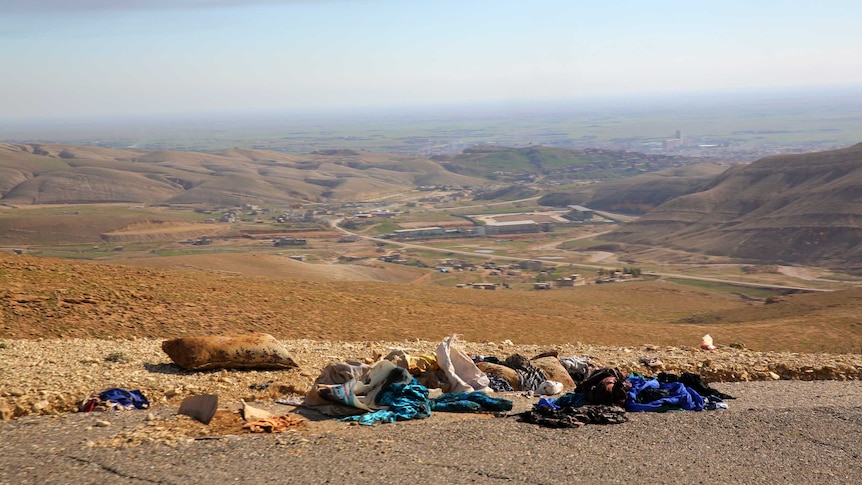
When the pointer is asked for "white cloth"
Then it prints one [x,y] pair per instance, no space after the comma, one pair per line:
[461,372]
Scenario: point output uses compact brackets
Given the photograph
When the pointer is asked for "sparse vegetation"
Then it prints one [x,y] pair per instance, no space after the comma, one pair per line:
[117,357]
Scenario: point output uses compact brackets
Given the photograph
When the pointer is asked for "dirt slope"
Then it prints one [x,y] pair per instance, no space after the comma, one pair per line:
[49,298]
[62,174]
[790,208]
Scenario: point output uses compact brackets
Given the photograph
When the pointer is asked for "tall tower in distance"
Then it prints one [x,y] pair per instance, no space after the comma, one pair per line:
[679,136]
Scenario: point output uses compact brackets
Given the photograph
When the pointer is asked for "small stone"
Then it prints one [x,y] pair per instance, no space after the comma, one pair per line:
[171,392]
[40,406]
[6,413]
[151,417]
[102,423]
[16,392]
[774,376]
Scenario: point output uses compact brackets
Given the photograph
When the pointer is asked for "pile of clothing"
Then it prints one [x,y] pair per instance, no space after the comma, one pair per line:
[396,388]
[605,395]
[385,392]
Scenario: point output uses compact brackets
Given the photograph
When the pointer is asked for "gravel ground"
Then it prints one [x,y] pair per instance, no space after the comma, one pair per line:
[800,430]
[775,432]
[55,376]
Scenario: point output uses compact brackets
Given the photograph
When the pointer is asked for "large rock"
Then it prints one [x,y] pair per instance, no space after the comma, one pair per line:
[554,370]
[251,351]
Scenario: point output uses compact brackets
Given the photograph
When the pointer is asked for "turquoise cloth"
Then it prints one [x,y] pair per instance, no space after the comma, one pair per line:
[571,400]
[469,402]
[402,402]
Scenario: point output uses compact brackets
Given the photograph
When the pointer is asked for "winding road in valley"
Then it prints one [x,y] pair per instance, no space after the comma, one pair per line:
[336,224]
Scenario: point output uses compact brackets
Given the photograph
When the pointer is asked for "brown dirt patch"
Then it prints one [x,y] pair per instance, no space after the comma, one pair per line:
[50,298]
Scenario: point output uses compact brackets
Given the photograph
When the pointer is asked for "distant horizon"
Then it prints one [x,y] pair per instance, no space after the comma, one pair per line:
[738,125]
[98,59]
[632,102]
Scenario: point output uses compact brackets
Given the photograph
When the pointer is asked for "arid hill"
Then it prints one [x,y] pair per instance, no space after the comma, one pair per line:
[53,298]
[790,208]
[638,194]
[555,164]
[56,174]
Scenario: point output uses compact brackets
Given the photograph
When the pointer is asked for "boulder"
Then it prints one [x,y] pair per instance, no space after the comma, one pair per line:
[554,370]
[250,351]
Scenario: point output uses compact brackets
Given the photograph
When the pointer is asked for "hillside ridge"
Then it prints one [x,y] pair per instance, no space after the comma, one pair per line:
[785,209]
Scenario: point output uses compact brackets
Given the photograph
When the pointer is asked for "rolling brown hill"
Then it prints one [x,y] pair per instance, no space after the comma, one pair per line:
[792,208]
[53,298]
[640,193]
[57,174]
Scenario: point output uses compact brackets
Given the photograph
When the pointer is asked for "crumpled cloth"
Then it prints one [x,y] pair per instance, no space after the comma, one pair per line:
[116,398]
[469,402]
[567,400]
[460,370]
[349,388]
[274,424]
[577,367]
[498,384]
[399,402]
[678,396]
[574,417]
[695,382]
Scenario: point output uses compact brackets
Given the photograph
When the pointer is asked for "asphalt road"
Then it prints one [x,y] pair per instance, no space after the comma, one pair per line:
[775,432]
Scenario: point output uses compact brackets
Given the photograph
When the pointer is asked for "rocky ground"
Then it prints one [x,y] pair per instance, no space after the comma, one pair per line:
[49,376]
[70,330]
[774,432]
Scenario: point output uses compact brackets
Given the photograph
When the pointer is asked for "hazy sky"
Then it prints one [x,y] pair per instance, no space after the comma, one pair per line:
[91,58]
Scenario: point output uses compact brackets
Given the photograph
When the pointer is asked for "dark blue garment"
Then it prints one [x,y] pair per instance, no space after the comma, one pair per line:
[546,402]
[487,358]
[402,401]
[460,402]
[124,398]
[679,396]
[568,400]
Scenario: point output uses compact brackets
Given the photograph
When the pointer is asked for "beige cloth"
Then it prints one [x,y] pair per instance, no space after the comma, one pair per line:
[461,372]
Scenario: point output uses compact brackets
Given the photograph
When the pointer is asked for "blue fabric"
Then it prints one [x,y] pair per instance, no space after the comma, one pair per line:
[679,396]
[567,400]
[546,402]
[124,398]
[463,406]
[460,402]
[402,401]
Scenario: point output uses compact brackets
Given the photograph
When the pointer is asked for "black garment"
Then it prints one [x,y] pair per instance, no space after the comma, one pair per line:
[650,394]
[488,358]
[569,417]
[694,382]
[498,384]
[531,378]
